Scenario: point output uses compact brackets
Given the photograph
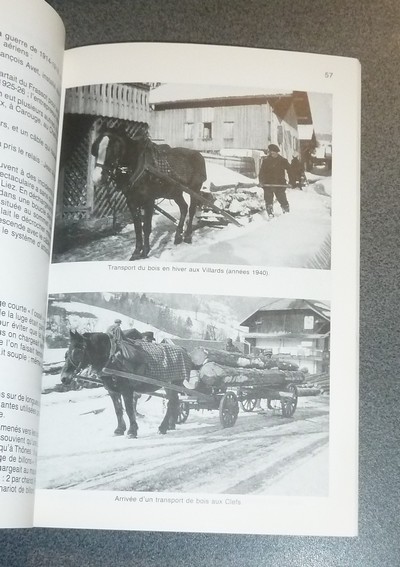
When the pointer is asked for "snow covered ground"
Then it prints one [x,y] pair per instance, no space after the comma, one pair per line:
[292,240]
[300,239]
[262,454]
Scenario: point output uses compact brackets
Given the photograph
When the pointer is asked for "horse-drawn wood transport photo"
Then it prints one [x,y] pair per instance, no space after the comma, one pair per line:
[190,390]
[146,168]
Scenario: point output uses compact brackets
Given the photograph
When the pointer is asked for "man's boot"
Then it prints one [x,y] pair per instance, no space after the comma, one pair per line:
[270,211]
[285,209]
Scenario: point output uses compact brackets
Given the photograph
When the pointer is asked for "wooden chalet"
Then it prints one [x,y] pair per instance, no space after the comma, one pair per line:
[214,119]
[297,328]
[88,108]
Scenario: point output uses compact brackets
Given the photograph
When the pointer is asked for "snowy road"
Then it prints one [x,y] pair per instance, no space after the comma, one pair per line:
[298,240]
[262,454]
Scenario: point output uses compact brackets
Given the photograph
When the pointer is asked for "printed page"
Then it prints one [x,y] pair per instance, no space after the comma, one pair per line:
[200,367]
[31,54]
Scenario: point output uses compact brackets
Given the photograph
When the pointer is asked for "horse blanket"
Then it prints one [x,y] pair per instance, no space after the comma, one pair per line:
[167,363]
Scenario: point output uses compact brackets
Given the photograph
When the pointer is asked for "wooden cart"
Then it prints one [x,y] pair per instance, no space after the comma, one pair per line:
[228,401]
[224,400]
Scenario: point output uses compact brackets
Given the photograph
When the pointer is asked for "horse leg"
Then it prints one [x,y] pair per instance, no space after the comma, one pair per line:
[171,415]
[148,216]
[189,226]
[128,396]
[117,401]
[137,223]
[180,201]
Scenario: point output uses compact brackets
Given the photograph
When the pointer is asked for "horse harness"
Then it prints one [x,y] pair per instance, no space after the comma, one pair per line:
[152,158]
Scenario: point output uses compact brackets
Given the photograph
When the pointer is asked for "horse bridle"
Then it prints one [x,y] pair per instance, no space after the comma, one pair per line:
[77,367]
[115,169]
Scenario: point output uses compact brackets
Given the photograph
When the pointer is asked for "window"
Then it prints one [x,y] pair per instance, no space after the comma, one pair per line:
[228,130]
[279,133]
[189,127]
[207,130]
[309,322]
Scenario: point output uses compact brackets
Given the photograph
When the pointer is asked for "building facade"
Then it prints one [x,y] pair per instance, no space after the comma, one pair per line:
[299,329]
[213,119]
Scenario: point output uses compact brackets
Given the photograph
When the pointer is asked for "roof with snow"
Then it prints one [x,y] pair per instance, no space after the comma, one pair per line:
[172,95]
[179,93]
[322,309]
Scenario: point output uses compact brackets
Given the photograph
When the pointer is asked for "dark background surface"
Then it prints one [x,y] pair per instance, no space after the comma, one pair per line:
[369,31]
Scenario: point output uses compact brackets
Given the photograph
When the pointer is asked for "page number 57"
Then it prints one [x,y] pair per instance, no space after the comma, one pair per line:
[328,75]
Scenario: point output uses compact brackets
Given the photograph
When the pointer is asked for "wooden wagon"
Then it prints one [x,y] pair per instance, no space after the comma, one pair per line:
[225,398]
[229,400]
[236,380]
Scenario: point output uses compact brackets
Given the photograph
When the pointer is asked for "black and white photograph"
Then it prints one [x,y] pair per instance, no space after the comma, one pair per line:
[158,392]
[195,173]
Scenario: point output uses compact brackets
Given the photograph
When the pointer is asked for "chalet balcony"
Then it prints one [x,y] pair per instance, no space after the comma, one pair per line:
[126,102]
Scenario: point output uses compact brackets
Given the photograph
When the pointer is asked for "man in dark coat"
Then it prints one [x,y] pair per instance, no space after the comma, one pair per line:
[272,179]
[298,173]
[230,347]
[148,336]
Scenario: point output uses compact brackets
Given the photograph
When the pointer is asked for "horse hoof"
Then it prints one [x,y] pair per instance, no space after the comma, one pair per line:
[132,435]
[119,432]
[188,239]
[135,256]
[162,431]
[178,239]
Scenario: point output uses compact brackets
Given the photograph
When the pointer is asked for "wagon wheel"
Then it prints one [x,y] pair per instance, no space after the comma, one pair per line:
[248,404]
[228,409]
[289,405]
[183,412]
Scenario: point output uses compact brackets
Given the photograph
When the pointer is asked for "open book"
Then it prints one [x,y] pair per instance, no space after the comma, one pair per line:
[179,291]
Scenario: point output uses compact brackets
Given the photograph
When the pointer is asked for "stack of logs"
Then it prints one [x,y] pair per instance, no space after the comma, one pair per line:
[217,367]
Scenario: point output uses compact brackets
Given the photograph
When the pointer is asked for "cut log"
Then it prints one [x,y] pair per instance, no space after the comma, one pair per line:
[200,356]
[213,374]
[303,392]
[295,376]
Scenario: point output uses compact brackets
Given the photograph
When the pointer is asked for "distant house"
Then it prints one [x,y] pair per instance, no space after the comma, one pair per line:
[295,327]
[216,118]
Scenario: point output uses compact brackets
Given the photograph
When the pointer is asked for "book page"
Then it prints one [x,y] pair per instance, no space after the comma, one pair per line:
[200,368]
[31,54]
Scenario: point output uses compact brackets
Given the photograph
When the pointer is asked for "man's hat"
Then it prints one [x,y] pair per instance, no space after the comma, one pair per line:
[274,148]
[148,335]
[117,321]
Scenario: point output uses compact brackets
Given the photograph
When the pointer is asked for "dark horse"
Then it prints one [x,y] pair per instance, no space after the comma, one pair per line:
[144,171]
[94,350]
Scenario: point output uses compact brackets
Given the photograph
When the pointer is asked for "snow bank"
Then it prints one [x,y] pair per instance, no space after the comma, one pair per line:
[218,175]
[291,240]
